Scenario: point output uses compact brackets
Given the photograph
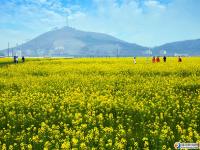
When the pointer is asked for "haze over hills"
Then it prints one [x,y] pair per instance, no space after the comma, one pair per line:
[71,42]
[188,47]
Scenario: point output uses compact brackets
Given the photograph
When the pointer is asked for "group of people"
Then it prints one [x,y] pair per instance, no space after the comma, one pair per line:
[157,59]
[16,60]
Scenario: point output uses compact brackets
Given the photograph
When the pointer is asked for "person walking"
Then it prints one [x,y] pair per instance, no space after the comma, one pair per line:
[157,59]
[23,59]
[153,59]
[179,59]
[134,60]
[16,59]
[164,58]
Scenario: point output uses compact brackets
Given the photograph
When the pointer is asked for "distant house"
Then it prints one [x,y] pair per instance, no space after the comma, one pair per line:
[176,54]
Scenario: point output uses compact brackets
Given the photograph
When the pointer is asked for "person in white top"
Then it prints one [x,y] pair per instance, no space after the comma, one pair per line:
[134,60]
[16,59]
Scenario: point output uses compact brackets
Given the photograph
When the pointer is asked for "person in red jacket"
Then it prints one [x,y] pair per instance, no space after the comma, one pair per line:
[153,59]
[158,59]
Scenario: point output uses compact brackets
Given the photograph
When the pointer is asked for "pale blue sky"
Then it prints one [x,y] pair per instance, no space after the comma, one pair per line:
[145,22]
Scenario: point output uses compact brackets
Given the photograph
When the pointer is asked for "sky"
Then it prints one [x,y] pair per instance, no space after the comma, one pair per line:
[145,22]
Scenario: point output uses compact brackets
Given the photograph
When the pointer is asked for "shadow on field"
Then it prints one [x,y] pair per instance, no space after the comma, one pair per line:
[10,61]
[2,64]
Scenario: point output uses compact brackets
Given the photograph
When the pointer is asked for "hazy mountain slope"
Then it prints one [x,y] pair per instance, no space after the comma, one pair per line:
[68,41]
[71,42]
[189,47]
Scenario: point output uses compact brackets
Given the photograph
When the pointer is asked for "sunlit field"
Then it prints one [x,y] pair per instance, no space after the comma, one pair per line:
[99,103]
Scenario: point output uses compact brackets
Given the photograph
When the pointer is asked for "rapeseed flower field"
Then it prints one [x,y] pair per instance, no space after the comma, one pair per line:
[99,103]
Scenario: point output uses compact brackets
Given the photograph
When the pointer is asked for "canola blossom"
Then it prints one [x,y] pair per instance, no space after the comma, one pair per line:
[99,103]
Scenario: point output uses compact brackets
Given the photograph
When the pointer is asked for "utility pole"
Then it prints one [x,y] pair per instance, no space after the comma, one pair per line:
[12,52]
[8,49]
[16,52]
[117,51]
[149,53]
[21,48]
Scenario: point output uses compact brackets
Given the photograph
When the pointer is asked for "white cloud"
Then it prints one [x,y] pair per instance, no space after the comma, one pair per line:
[153,4]
[147,22]
[28,21]
[13,37]
[42,1]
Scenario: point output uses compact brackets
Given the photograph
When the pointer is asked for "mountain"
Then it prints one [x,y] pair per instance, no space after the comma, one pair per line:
[68,41]
[71,42]
[188,48]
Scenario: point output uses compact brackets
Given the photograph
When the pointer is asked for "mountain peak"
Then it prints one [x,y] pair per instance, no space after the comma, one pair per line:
[68,41]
